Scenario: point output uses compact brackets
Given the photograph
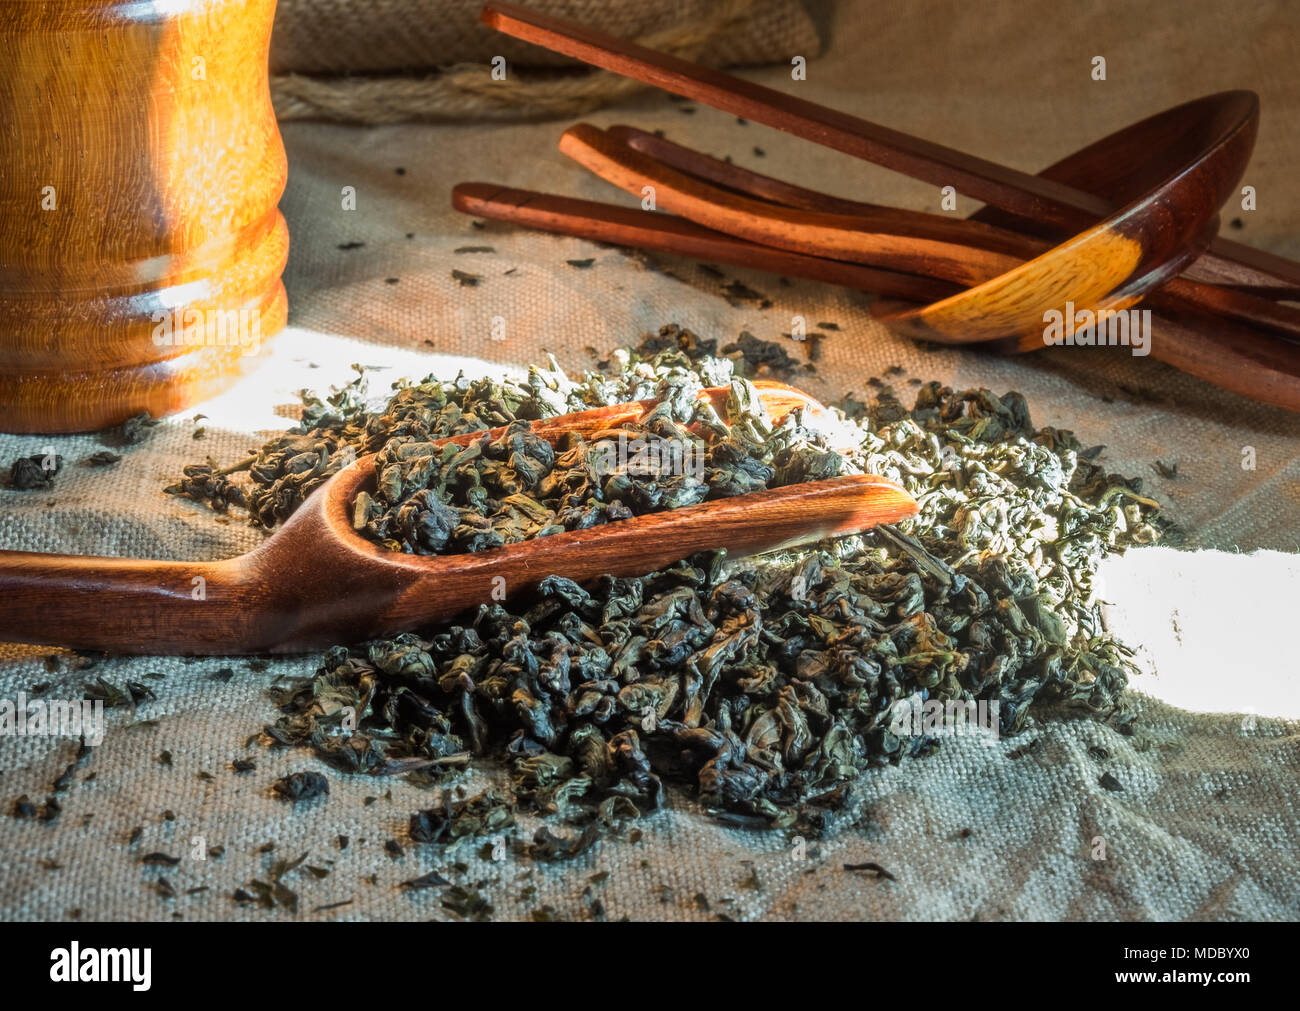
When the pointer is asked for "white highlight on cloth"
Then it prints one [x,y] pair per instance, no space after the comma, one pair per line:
[1214,631]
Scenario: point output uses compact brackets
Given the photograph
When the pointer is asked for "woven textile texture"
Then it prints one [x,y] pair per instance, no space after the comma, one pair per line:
[402,61]
[1204,825]
[347,36]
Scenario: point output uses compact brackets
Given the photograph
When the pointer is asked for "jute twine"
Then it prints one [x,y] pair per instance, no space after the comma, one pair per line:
[468,90]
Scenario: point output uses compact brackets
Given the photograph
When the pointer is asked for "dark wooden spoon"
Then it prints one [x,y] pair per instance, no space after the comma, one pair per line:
[1042,198]
[317,582]
[630,226]
[1011,235]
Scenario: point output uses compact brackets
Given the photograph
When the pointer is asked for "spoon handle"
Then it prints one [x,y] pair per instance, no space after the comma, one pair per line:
[631,226]
[744,524]
[245,605]
[934,246]
[125,605]
[1043,199]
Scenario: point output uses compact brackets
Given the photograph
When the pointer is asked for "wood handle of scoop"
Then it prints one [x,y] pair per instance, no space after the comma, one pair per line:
[124,605]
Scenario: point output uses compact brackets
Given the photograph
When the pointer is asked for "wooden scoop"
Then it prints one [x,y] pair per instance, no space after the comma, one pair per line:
[317,582]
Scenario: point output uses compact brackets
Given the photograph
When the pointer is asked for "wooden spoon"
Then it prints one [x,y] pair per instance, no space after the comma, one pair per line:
[630,226]
[1220,351]
[1036,198]
[317,582]
[1098,170]
[1015,236]
[1111,265]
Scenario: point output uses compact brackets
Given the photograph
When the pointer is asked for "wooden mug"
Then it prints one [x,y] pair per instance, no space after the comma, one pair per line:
[140,243]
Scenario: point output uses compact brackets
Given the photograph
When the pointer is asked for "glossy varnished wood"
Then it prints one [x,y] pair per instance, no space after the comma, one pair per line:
[1174,170]
[1247,305]
[153,125]
[1042,198]
[317,582]
[628,226]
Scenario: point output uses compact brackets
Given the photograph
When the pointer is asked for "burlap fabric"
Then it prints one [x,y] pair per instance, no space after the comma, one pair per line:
[343,36]
[415,60]
[1204,825]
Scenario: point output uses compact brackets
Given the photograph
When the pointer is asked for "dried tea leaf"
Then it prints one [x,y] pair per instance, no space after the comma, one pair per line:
[467,903]
[299,786]
[34,473]
[431,880]
[871,868]
[137,429]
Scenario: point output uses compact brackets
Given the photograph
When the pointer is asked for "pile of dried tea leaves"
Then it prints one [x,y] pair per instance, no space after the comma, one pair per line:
[431,499]
[671,367]
[762,686]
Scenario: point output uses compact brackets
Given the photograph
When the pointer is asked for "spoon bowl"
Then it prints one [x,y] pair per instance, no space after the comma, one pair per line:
[317,582]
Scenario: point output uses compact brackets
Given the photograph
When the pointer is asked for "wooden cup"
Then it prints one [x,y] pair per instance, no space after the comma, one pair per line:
[140,243]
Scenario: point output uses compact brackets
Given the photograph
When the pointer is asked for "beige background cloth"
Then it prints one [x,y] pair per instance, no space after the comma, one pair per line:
[343,36]
[1205,826]
[399,61]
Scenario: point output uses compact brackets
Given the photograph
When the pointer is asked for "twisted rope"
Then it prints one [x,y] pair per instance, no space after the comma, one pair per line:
[467,90]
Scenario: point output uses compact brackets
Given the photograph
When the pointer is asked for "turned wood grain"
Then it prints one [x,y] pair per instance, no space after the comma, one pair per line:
[153,124]
[317,582]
